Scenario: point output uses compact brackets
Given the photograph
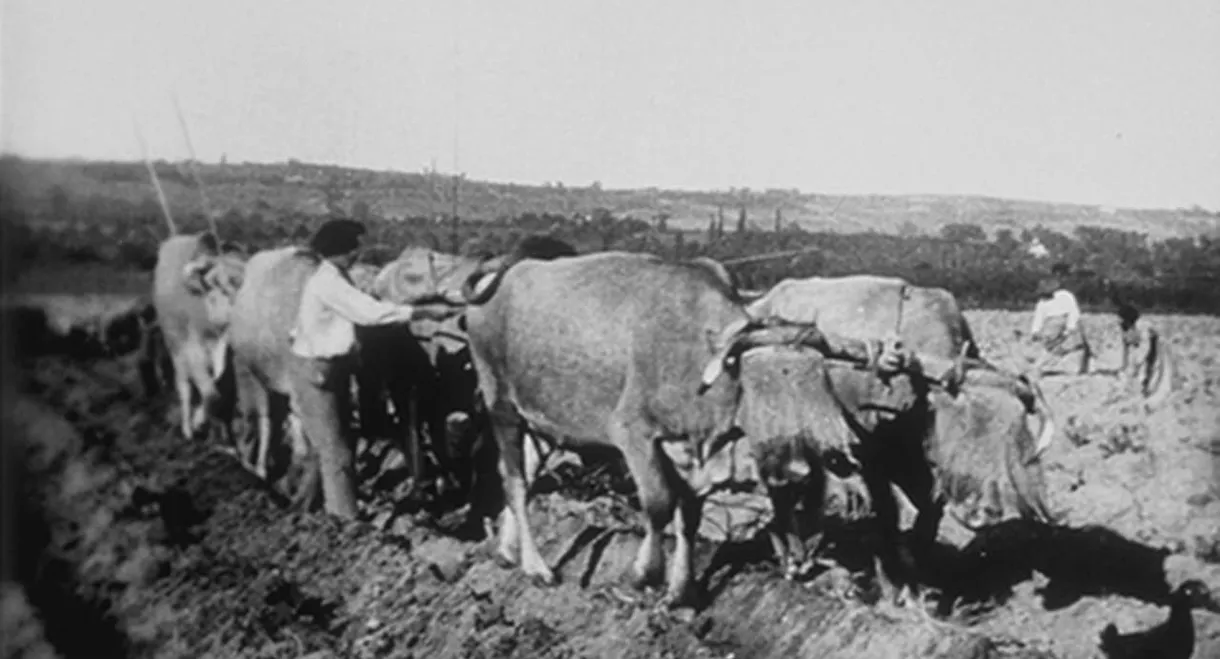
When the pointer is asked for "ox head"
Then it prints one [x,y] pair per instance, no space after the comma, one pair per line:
[982,445]
[975,431]
[215,278]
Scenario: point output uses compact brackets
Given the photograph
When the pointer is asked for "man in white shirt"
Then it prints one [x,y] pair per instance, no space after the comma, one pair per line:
[324,342]
[1057,326]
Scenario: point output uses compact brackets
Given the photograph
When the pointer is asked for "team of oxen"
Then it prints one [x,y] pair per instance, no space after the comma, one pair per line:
[863,377]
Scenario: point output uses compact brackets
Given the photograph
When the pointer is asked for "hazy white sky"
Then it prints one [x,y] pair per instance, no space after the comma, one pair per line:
[1108,101]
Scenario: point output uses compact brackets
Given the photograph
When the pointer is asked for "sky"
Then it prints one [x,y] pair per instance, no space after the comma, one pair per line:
[1109,102]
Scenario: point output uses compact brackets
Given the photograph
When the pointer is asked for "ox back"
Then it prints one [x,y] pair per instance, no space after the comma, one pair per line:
[264,313]
[928,320]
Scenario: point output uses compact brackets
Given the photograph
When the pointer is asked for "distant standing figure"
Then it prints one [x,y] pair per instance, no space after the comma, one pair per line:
[324,340]
[1147,361]
[1057,326]
[1134,335]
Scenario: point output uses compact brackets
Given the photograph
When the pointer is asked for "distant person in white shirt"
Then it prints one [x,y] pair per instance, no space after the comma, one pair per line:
[324,340]
[1058,328]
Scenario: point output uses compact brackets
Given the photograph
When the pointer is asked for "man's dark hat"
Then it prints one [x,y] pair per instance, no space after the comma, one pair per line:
[336,237]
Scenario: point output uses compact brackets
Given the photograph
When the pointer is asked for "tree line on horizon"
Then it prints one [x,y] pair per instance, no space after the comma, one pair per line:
[1170,275]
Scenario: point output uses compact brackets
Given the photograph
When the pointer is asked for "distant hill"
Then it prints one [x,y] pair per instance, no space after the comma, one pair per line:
[33,185]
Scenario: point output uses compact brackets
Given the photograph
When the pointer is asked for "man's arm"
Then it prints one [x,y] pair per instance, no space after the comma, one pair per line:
[1073,313]
[356,306]
[1039,318]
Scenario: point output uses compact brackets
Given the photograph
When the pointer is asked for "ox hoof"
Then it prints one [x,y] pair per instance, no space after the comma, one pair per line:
[676,611]
[644,580]
[808,568]
[615,593]
[227,450]
[544,580]
[680,602]
[539,572]
[503,561]
[903,606]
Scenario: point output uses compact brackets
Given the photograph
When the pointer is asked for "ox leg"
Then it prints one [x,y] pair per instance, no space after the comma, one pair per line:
[198,370]
[797,509]
[646,462]
[182,383]
[370,388]
[782,531]
[151,347]
[515,534]
[885,508]
[308,492]
[254,402]
[680,590]
[404,393]
[202,415]
[265,428]
[411,436]
[481,478]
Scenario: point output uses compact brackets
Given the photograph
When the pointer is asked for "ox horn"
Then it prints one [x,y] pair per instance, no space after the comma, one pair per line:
[723,348]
